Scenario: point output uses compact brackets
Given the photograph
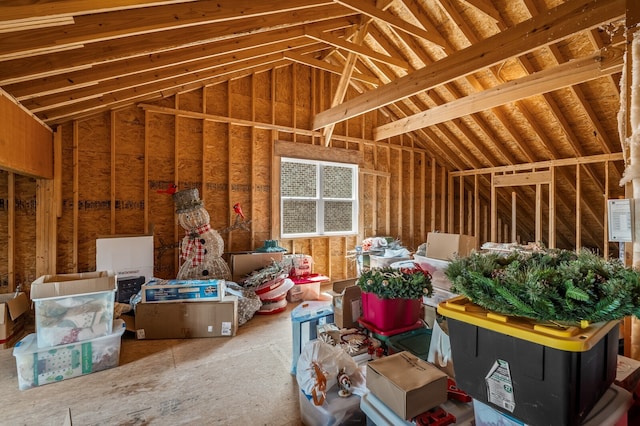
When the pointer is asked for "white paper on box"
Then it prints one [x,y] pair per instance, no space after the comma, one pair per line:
[226,329]
[500,386]
[128,256]
[356,309]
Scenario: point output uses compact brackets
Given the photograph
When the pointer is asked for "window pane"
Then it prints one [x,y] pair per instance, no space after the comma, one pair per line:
[298,180]
[337,182]
[338,216]
[298,217]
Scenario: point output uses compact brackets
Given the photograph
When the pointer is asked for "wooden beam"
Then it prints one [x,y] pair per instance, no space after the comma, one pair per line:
[76,197]
[354,48]
[46,227]
[171,43]
[152,91]
[578,208]
[494,211]
[26,144]
[11,230]
[192,57]
[552,209]
[122,23]
[547,28]
[367,9]
[543,164]
[485,7]
[345,79]
[300,150]
[538,233]
[316,63]
[567,74]
[518,179]
[43,10]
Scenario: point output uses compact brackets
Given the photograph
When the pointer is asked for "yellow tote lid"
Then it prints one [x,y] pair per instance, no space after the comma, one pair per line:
[558,336]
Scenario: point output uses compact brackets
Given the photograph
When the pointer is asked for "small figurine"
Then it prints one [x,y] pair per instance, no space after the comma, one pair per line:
[319,391]
[344,383]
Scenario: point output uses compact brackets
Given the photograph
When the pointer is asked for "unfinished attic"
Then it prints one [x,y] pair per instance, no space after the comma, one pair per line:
[313,126]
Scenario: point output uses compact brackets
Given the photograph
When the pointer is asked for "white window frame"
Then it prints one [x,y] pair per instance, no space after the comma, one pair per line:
[320,201]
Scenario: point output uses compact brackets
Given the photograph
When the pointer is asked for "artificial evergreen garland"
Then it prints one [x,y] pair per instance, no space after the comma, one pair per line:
[392,283]
[548,285]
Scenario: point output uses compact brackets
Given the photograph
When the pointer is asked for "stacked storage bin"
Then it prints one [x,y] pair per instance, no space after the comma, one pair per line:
[536,373]
[75,331]
[386,318]
[305,319]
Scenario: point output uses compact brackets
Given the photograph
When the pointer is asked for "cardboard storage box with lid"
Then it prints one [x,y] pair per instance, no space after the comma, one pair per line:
[445,246]
[73,307]
[243,264]
[406,384]
[183,319]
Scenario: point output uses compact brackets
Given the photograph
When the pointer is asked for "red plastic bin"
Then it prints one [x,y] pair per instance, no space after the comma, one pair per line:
[390,314]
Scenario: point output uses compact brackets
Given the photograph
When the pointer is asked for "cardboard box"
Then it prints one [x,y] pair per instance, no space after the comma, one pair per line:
[73,307]
[12,320]
[627,373]
[406,384]
[184,320]
[184,290]
[447,246]
[347,303]
[244,264]
[126,255]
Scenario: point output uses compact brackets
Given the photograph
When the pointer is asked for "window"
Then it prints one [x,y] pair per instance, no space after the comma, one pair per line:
[317,198]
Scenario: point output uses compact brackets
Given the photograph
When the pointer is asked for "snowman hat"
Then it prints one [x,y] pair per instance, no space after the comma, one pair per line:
[187,200]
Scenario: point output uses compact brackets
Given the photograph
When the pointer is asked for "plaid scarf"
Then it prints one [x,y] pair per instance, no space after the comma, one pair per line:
[195,245]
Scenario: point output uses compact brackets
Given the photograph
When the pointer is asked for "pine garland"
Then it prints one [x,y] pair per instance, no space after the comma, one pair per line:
[548,285]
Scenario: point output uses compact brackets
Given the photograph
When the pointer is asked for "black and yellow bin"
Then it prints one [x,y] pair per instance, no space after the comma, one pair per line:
[539,373]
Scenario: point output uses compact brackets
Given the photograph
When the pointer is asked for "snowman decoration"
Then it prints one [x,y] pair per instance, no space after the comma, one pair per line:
[201,247]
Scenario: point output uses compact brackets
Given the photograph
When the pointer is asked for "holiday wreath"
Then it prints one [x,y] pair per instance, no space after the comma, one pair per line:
[548,285]
[392,283]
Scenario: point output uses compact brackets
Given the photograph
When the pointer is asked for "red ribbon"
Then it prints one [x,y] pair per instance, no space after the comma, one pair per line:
[195,245]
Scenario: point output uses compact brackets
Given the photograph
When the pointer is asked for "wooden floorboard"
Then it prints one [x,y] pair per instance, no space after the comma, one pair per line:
[240,380]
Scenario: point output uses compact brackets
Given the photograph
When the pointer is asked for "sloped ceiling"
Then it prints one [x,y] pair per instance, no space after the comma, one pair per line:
[476,83]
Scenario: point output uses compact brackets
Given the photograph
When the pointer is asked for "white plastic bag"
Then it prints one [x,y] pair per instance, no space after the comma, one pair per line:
[440,350]
[329,360]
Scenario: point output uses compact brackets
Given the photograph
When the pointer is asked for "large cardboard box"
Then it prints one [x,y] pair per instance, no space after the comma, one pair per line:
[346,298]
[447,246]
[73,307]
[245,263]
[406,384]
[184,290]
[183,320]
[13,308]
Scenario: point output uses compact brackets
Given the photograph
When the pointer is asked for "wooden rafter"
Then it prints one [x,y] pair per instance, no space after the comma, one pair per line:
[531,34]
[574,72]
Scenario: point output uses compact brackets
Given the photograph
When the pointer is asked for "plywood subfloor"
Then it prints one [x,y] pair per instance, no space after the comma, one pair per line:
[242,380]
